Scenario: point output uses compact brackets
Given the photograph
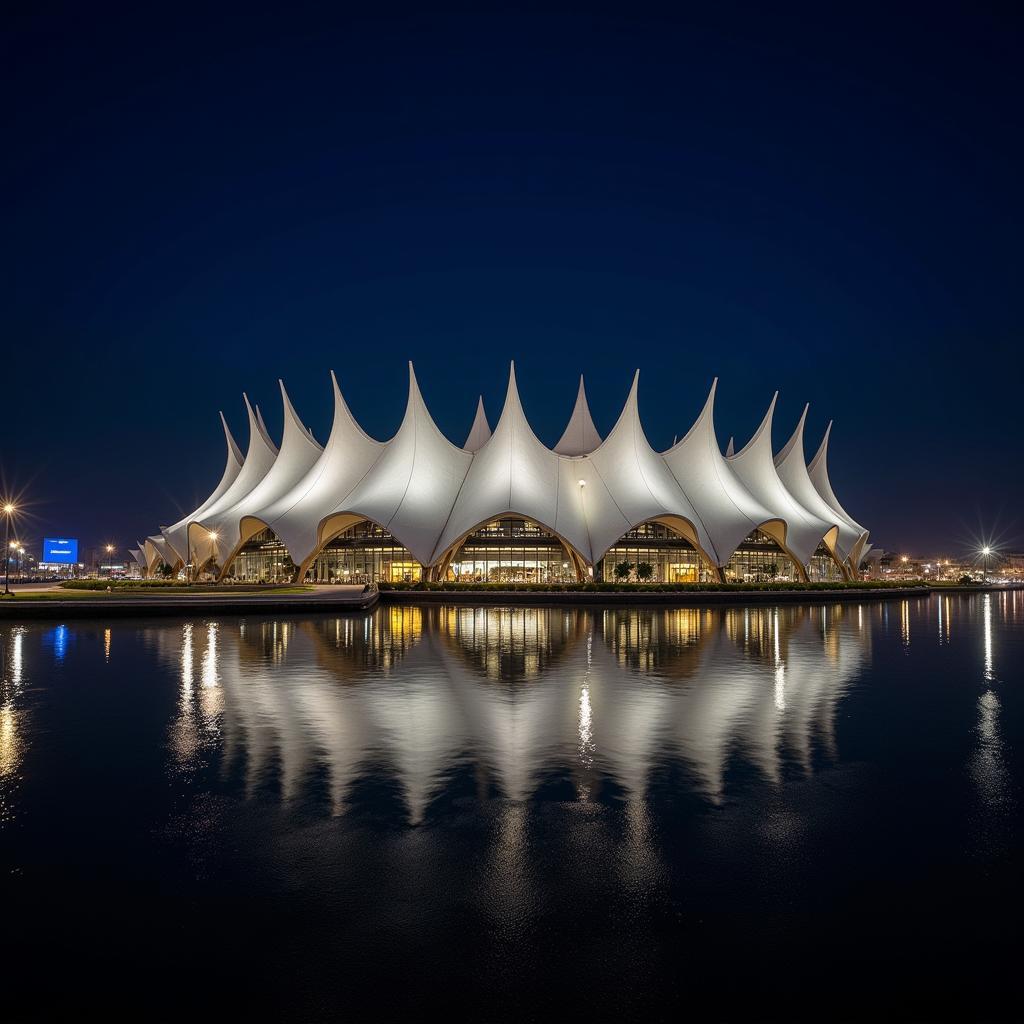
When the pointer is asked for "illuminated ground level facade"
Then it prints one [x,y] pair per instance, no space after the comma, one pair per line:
[516,550]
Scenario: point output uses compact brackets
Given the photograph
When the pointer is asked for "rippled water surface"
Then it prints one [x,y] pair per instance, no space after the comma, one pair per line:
[793,812]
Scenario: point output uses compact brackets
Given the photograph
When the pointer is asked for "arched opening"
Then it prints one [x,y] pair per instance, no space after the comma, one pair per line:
[512,549]
[157,567]
[760,558]
[362,552]
[824,568]
[656,552]
[261,558]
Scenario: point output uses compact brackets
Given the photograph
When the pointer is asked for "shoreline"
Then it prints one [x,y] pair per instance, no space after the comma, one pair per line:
[104,605]
[682,598]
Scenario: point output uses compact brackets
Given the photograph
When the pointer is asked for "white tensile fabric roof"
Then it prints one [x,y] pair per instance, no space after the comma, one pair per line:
[430,494]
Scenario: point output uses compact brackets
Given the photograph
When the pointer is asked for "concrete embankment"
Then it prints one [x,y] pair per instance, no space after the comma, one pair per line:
[327,599]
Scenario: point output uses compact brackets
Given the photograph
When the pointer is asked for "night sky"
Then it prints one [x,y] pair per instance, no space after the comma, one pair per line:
[196,207]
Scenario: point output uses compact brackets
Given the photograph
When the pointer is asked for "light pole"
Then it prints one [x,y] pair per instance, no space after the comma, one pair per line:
[8,515]
[985,552]
[110,553]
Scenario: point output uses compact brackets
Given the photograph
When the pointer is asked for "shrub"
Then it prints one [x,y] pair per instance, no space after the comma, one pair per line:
[634,588]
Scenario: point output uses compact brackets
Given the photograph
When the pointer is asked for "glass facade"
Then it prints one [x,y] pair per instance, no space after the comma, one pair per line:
[823,567]
[512,550]
[364,553]
[672,558]
[759,559]
[262,559]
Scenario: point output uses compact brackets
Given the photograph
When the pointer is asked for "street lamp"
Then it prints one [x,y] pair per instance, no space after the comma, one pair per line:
[9,511]
[213,551]
[110,552]
[985,552]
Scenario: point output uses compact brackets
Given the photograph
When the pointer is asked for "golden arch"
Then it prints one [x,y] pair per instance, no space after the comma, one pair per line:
[248,527]
[333,526]
[680,525]
[579,562]
[777,529]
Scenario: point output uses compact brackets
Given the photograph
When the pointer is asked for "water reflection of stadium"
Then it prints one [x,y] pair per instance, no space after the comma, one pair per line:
[518,693]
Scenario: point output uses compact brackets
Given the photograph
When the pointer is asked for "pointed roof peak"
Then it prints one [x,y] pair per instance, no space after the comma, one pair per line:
[415,397]
[705,419]
[763,434]
[417,413]
[234,452]
[580,436]
[292,417]
[730,448]
[512,399]
[796,441]
[821,455]
[288,407]
[480,432]
[261,428]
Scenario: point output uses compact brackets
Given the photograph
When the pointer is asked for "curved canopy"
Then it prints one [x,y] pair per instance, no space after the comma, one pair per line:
[260,456]
[175,535]
[793,473]
[727,510]
[431,494]
[299,450]
[852,536]
[755,467]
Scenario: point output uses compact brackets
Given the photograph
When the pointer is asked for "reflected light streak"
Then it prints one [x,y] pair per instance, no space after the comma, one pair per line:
[780,669]
[12,743]
[17,654]
[987,628]
[988,767]
[209,678]
[186,660]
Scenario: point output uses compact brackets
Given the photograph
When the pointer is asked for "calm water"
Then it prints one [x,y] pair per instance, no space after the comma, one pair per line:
[731,813]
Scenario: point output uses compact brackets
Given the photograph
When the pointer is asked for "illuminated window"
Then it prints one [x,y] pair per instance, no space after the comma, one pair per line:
[512,550]
[262,559]
[759,559]
[364,553]
[671,558]
[823,567]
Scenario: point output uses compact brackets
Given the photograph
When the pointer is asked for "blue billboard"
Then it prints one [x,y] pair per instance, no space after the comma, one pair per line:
[60,550]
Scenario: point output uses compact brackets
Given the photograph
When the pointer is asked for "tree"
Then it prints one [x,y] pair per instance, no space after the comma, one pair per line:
[772,569]
[622,570]
[644,571]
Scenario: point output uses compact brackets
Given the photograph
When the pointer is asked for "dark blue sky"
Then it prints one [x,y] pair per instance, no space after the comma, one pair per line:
[826,204]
